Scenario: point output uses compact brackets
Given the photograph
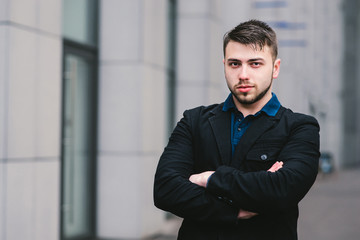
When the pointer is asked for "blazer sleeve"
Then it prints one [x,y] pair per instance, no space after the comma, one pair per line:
[174,192]
[264,191]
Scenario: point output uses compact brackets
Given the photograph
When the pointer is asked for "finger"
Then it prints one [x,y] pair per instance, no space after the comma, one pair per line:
[193,178]
[276,166]
[273,167]
[246,215]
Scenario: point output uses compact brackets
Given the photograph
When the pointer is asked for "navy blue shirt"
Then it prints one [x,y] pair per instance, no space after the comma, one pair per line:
[239,124]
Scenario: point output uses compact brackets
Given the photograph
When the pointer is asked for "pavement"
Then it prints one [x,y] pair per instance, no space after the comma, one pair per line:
[330,211]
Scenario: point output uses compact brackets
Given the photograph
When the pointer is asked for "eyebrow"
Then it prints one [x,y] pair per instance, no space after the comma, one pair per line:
[256,60]
[250,60]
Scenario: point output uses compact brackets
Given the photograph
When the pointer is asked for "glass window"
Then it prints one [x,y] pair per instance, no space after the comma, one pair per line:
[80,64]
[80,21]
[79,144]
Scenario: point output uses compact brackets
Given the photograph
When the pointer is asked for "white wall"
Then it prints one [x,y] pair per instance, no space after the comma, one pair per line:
[30,85]
[200,79]
[132,115]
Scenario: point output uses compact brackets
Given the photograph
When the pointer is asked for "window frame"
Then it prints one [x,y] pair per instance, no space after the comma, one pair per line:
[89,53]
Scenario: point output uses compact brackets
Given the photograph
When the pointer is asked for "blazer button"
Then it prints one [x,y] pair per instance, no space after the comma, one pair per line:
[263,157]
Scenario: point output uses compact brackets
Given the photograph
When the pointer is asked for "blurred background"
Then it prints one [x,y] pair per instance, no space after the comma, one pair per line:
[91,89]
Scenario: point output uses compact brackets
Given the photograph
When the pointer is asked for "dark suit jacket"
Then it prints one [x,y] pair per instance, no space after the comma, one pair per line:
[201,142]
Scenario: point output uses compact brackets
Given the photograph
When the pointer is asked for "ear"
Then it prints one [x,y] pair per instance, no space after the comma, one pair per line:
[276,69]
[223,60]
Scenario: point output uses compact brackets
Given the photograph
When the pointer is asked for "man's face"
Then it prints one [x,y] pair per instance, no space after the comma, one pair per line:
[249,73]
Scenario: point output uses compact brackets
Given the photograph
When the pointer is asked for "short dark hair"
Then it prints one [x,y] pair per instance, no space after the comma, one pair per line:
[255,33]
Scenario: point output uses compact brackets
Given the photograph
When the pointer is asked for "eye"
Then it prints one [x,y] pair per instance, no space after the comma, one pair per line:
[255,64]
[234,64]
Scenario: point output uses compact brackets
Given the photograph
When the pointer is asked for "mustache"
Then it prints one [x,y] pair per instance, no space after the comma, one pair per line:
[244,83]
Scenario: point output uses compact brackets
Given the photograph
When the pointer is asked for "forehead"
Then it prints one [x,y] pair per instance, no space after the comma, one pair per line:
[236,50]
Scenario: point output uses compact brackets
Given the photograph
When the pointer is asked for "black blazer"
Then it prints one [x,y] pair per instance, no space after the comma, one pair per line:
[201,142]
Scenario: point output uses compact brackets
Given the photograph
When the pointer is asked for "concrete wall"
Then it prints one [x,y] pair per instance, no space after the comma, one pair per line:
[199,70]
[132,115]
[30,87]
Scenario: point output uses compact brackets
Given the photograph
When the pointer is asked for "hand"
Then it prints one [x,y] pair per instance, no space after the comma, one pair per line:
[276,167]
[245,214]
[201,179]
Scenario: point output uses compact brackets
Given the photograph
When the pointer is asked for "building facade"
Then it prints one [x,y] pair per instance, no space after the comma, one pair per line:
[90,90]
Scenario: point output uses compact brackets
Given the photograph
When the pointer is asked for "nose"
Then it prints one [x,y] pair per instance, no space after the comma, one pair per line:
[243,73]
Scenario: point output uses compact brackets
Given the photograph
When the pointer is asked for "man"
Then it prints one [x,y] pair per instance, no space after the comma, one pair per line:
[237,170]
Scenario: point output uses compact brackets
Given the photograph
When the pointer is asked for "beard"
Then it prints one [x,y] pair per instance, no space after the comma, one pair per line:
[245,101]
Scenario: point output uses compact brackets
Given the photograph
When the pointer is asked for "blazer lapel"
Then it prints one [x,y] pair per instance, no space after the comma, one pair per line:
[221,126]
[257,128]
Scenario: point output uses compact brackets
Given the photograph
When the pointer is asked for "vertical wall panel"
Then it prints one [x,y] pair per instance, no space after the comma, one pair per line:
[30,63]
[132,115]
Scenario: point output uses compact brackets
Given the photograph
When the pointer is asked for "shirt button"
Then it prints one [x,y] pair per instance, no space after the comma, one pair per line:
[239,129]
[263,157]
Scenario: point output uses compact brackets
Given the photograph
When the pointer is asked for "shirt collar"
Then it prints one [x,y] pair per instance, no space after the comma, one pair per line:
[270,108]
[229,104]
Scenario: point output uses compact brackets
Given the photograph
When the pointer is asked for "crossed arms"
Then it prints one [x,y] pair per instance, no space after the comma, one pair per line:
[201,179]
[229,191]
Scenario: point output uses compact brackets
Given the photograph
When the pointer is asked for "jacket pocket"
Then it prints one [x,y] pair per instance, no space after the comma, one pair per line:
[263,155]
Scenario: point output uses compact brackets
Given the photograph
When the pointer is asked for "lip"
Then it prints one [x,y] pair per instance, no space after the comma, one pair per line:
[244,88]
